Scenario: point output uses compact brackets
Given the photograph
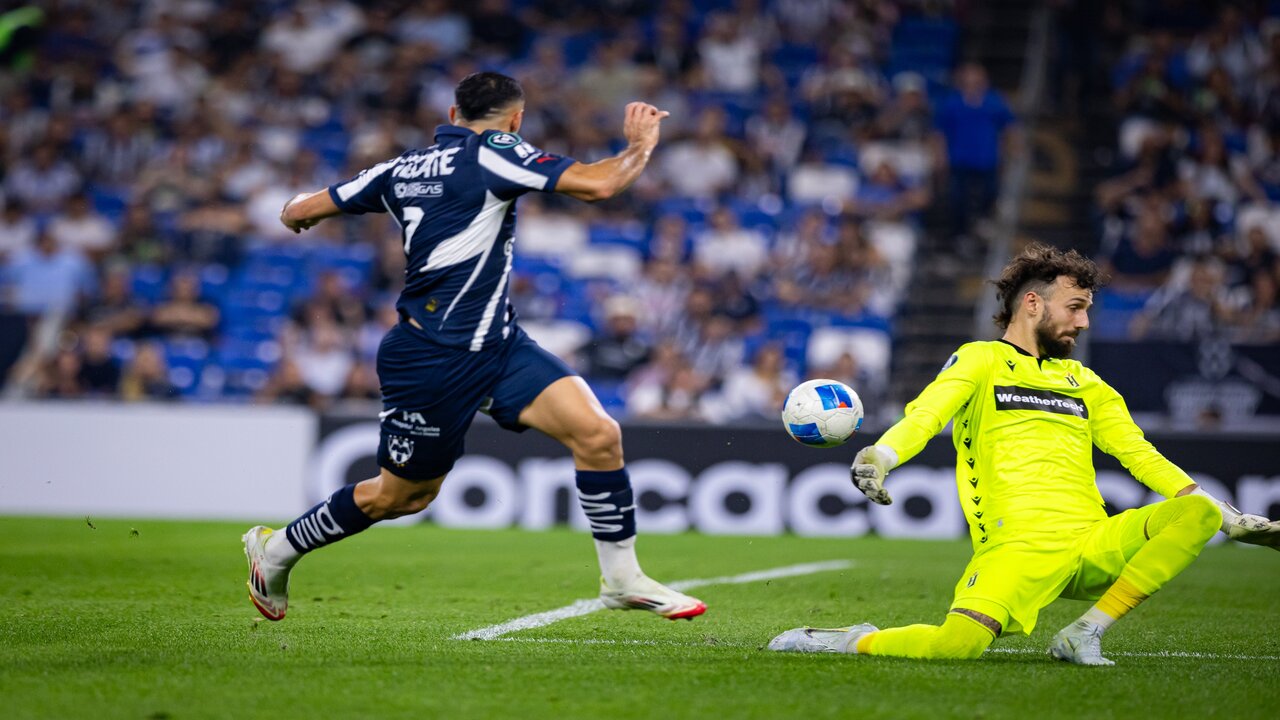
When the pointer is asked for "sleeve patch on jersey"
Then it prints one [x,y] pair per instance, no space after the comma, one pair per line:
[950,361]
[504,140]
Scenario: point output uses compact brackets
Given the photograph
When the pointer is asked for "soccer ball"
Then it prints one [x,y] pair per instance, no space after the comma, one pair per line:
[822,413]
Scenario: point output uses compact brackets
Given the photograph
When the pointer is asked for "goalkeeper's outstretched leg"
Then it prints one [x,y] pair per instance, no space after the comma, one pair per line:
[1176,530]
[960,637]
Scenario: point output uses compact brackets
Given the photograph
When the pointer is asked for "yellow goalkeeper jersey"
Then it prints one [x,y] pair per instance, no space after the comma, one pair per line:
[1023,429]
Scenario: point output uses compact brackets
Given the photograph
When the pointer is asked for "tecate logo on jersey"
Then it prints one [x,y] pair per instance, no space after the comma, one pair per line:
[418,189]
[429,164]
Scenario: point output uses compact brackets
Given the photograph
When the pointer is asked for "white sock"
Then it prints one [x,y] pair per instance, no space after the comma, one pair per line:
[1097,617]
[618,561]
[279,550]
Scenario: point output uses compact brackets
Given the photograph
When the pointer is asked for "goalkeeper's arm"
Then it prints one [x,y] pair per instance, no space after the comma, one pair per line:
[1242,527]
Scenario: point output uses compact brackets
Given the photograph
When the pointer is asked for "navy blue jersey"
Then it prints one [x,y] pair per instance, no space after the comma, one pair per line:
[455,203]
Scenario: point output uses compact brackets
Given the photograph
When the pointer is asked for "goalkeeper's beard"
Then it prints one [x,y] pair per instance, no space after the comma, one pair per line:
[1052,343]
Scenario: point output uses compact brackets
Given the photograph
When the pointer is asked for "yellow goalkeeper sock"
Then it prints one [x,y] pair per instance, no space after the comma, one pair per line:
[958,638]
[1178,529]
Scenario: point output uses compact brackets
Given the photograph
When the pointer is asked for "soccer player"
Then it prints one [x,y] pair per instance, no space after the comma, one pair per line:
[1025,422]
[458,347]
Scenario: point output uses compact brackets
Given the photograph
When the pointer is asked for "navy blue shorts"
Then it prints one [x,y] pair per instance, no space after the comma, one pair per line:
[430,395]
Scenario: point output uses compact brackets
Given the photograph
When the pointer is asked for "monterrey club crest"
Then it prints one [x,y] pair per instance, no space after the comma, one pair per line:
[400,449]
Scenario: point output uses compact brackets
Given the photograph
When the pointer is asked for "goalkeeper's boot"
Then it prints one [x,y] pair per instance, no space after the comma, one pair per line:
[268,583]
[1079,643]
[824,640]
[645,593]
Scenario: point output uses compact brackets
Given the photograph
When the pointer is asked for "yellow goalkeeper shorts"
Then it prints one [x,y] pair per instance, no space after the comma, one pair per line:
[1013,581]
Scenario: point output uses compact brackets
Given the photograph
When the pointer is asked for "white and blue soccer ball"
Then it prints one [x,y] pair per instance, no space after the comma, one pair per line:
[822,413]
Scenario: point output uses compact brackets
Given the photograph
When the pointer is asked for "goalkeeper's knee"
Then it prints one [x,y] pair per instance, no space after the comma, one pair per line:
[1195,516]
[960,638]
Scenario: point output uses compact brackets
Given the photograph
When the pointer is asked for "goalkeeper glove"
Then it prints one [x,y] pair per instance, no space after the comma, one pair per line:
[1245,528]
[870,466]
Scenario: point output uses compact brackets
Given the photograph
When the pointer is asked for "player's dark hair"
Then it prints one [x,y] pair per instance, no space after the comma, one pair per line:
[1035,269]
[482,94]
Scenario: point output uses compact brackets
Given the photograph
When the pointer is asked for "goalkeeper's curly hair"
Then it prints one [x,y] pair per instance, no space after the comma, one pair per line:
[1035,269]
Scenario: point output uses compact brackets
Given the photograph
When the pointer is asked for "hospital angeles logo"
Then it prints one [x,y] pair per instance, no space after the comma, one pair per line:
[400,449]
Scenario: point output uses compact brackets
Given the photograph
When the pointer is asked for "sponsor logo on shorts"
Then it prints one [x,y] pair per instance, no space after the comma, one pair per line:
[400,449]
[410,423]
[1010,397]
[418,189]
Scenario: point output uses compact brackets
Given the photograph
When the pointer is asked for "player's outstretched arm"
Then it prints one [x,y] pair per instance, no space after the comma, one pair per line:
[604,179]
[305,210]
[1242,527]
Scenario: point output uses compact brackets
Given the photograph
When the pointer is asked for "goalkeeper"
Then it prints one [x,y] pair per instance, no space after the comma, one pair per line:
[1026,419]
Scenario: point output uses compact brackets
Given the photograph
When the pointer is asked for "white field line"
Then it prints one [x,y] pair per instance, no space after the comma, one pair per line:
[1003,651]
[585,607]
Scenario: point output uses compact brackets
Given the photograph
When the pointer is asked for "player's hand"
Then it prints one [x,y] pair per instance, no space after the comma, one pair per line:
[641,122]
[1253,529]
[296,225]
[870,466]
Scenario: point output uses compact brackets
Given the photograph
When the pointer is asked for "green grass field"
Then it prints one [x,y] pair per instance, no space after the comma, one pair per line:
[150,619]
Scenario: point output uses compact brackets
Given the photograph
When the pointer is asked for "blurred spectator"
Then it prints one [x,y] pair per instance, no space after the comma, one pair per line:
[287,387]
[907,116]
[146,376]
[323,357]
[1142,256]
[777,135]
[497,29]
[667,389]
[704,165]
[885,196]
[184,314]
[44,182]
[362,383]
[611,79]
[435,23]
[617,348]
[754,392]
[60,378]
[727,247]
[80,228]
[670,52]
[332,302]
[17,230]
[307,36]
[141,241]
[99,370]
[717,348]
[48,278]
[974,120]
[660,296]
[116,153]
[114,309]
[730,57]
[1194,311]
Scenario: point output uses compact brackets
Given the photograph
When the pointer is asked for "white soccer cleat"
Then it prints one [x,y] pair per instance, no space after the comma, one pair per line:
[821,640]
[1079,643]
[268,583]
[645,593]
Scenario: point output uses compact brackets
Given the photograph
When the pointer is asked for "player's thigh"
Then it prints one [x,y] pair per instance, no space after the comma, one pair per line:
[430,395]
[1012,582]
[538,390]
[1105,549]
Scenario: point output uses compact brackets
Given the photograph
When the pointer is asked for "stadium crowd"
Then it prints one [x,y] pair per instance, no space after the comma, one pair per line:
[1190,220]
[149,146]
